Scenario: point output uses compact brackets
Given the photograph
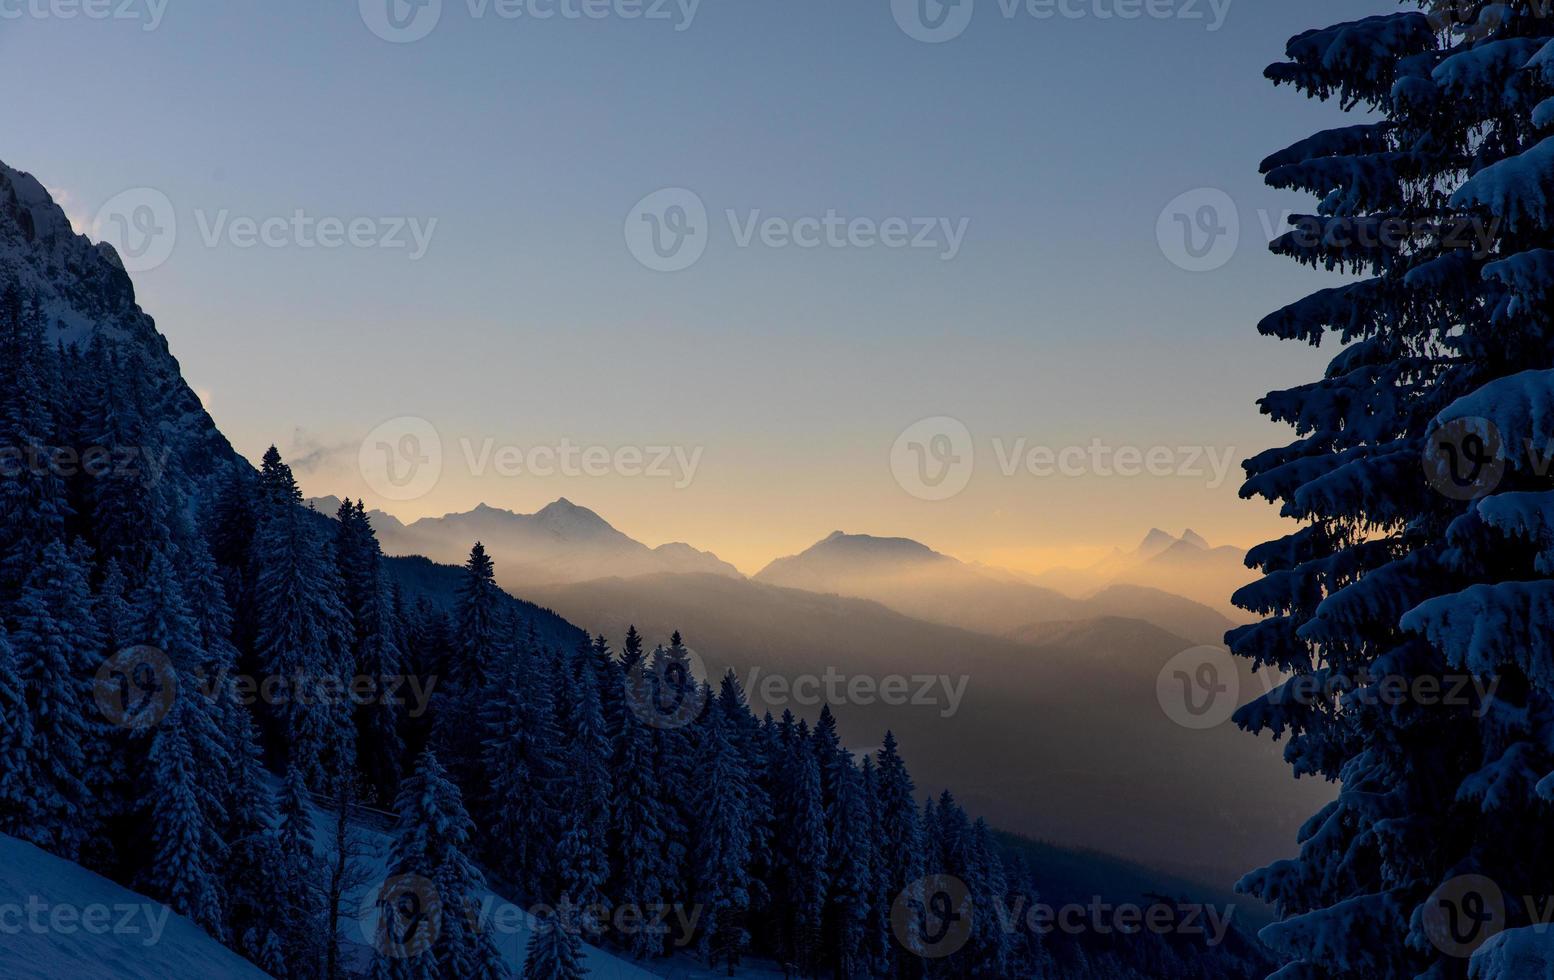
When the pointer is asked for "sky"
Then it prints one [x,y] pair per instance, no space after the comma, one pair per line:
[727,272]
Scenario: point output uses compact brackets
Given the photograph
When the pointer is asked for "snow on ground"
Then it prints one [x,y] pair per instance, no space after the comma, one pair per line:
[512,926]
[59,920]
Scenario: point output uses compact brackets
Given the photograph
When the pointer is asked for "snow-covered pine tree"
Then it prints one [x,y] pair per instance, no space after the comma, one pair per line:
[522,761]
[721,856]
[803,835]
[582,851]
[879,947]
[433,841]
[555,951]
[298,906]
[850,874]
[58,649]
[375,651]
[15,743]
[33,500]
[302,633]
[1426,517]
[900,844]
[641,875]
[257,873]
[187,855]
[481,631]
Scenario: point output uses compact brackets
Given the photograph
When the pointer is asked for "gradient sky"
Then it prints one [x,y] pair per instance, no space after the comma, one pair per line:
[528,321]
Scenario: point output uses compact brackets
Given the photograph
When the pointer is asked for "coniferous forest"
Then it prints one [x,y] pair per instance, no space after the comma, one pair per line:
[304,752]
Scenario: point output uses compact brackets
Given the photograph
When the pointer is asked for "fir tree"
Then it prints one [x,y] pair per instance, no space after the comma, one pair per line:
[33,500]
[722,854]
[522,757]
[302,636]
[555,951]
[59,648]
[433,842]
[186,851]
[1406,574]
[15,744]
[643,875]
[582,852]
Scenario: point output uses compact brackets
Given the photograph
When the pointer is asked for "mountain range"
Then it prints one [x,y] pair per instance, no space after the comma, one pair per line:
[561,542]
[1057,737]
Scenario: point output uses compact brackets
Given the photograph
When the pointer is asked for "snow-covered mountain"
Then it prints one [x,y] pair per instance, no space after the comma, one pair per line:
[86,294]
[917,581]
[562,542]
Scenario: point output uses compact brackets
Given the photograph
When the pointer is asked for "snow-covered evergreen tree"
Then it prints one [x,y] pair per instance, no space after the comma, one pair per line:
[375,651]
[33,501]
[721,855]
[58,649]
[1426,516]
[15,743]
[582,852]
[433,842]
[302,634]
[522,759]
[555,951]
[639,815]
[187,854]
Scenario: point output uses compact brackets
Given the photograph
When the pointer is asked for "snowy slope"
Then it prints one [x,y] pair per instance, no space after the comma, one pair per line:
[512,939]
[59,920]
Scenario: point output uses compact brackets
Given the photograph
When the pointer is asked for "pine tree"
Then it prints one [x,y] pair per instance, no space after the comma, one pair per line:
[15,744]
[433,843]
[522,759]
[722,854]
[59,648]
[639,817]
[479,649]
[582,852]
[901,841]
[1406,574]
[805,838]
[375,651]
[298,906]
[302,636]
[851,857]
[33,499]
[258,872]
[555,951]
[186,851]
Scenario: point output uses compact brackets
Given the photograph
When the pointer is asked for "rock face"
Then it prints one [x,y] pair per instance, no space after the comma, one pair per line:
[85,294]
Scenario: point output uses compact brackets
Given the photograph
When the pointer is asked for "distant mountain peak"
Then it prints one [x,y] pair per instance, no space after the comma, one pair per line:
[1195,539]
[1155,542]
